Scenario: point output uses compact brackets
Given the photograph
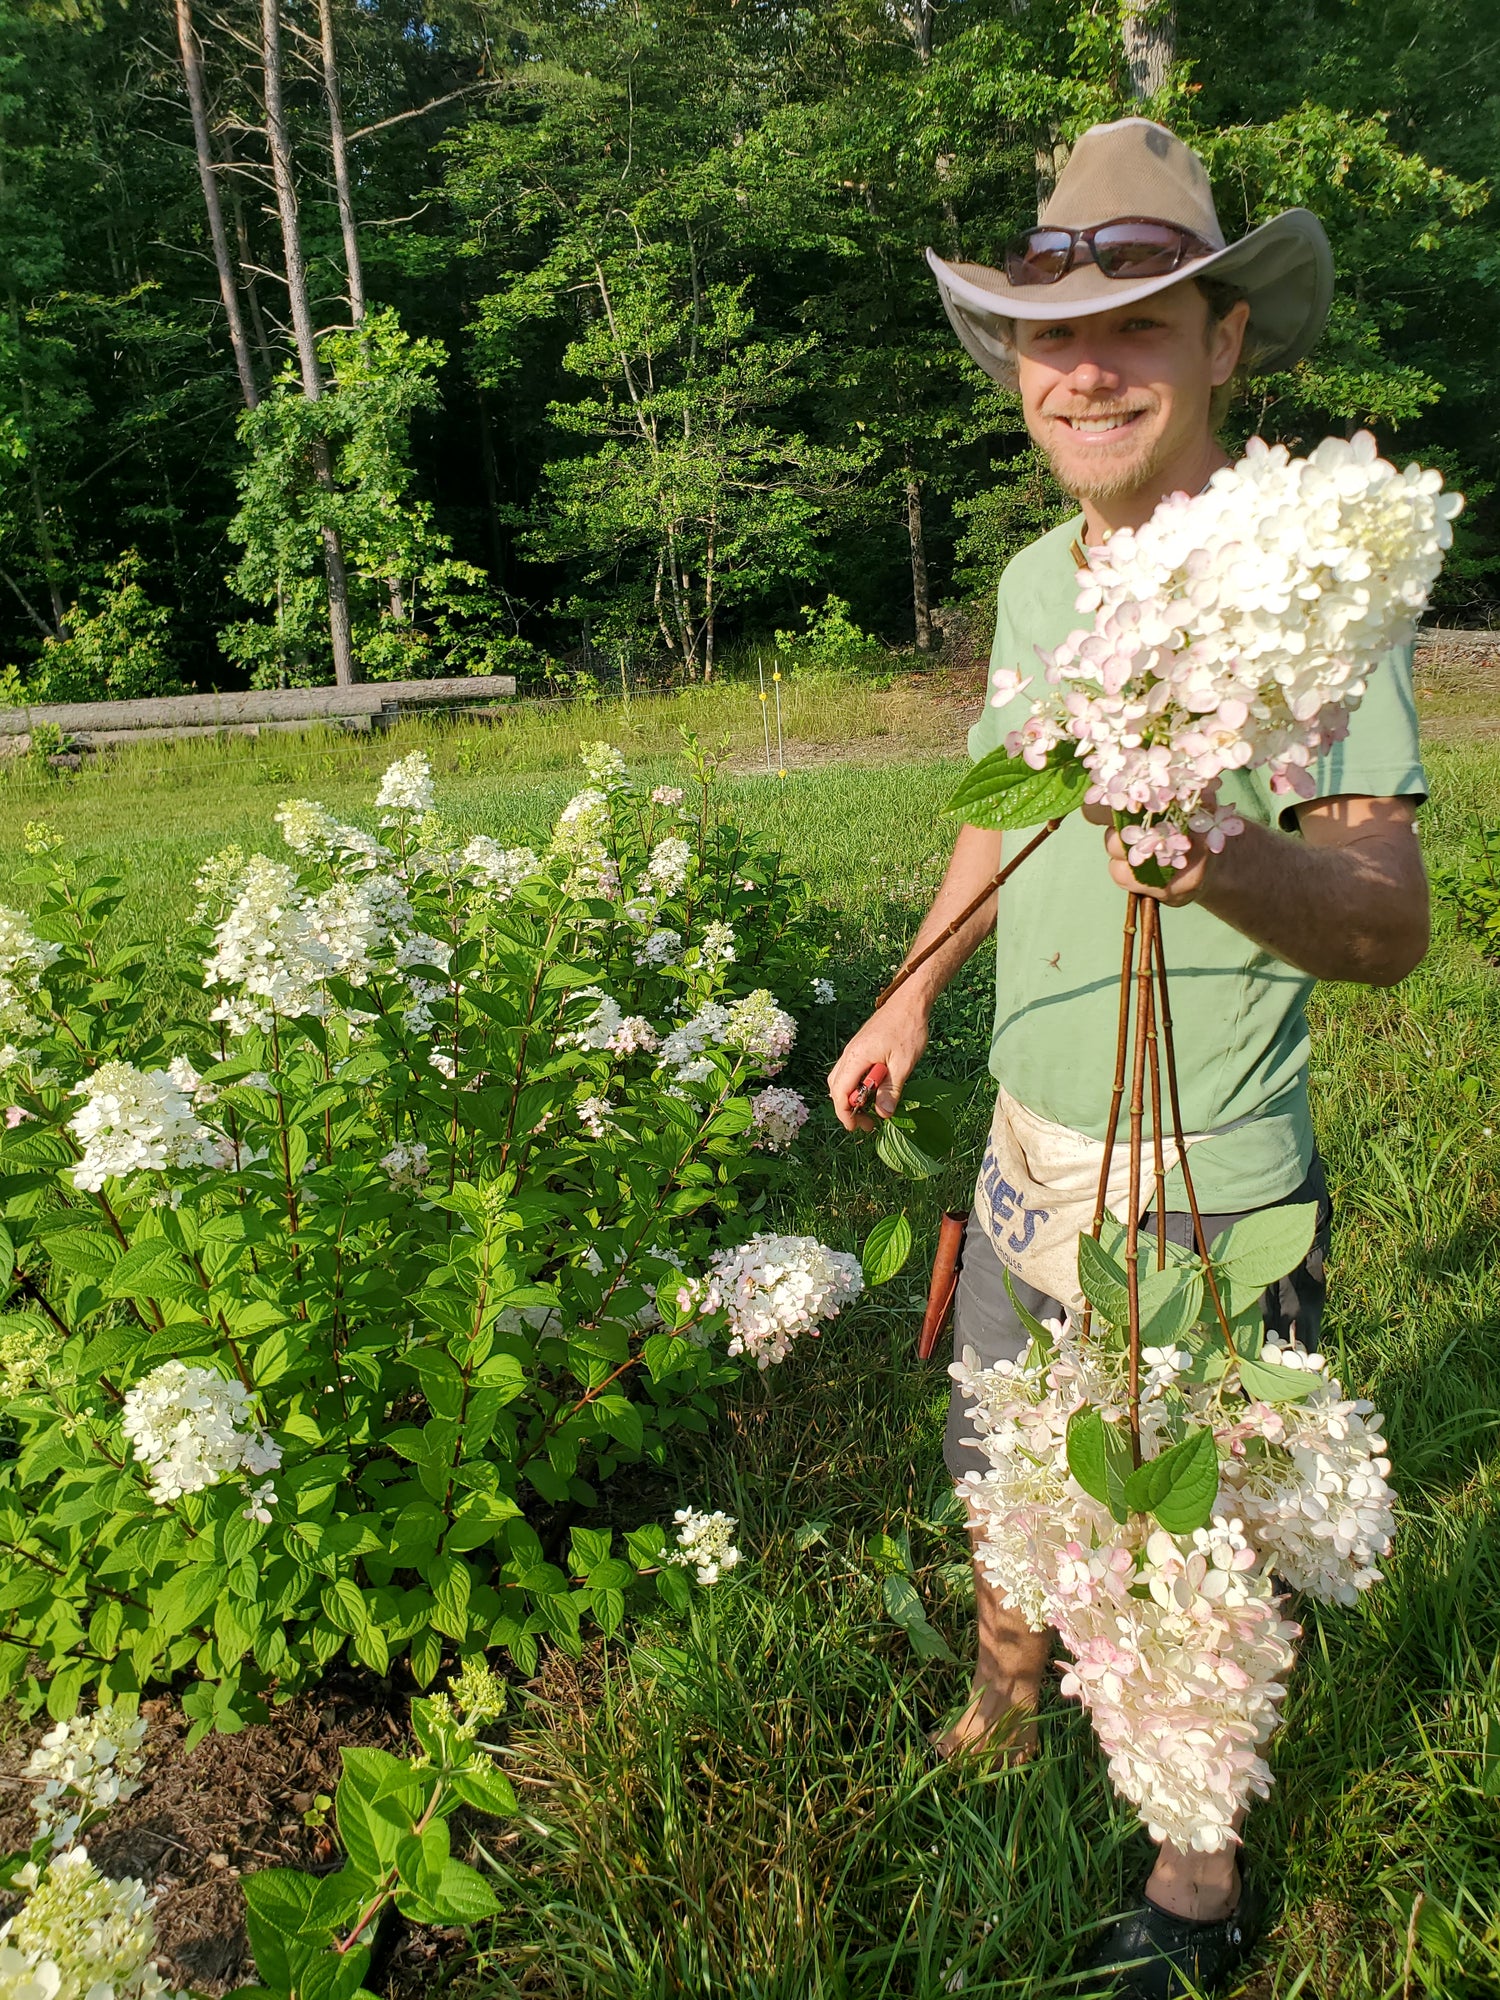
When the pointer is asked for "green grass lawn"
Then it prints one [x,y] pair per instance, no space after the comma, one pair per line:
[747,1806]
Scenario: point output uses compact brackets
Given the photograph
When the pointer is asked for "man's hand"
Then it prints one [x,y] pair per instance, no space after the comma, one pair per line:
[1184,885]
[1348,900]
[895,1036]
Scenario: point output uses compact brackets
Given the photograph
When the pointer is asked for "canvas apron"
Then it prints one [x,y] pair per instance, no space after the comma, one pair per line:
[1038,1185]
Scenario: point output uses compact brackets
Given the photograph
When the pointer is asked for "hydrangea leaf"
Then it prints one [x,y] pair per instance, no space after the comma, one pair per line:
[1180,1486]
[1261,1248]
[886,1249]
[1003,793]
[1276,1385]
[1102,1282]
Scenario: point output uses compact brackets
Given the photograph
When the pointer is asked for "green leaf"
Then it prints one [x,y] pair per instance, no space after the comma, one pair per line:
[463,1896]
[1004,793]
[904,1607]
[1171,1301]
[1261,1248]
[620,1417]
[900,1152]
[886,1250]
[1180,1486]
[450,1586]
[1099,1459]
[1276,1385]
[1102,1282]
[1041,1339]
[151,1270]
[489,1791]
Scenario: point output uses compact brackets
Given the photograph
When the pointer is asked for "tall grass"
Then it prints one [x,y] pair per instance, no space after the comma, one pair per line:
[748,1807]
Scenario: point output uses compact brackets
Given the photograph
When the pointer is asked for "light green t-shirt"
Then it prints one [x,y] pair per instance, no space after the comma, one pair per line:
[1238,1012]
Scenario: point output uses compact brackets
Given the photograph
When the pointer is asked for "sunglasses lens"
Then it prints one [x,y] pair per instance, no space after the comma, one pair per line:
[1040,257]
[1137,249]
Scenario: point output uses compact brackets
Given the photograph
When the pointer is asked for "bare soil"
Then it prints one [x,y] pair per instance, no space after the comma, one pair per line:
[235,1804]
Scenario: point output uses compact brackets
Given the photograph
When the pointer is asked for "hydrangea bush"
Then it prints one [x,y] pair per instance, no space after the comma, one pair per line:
[337,1292]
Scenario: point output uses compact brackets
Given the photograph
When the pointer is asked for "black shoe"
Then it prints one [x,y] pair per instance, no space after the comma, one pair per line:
[1152,1954]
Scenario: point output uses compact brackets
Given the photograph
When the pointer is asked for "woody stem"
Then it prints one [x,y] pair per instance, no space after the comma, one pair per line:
[1200,1240]
[1133,1199]
[1132,910]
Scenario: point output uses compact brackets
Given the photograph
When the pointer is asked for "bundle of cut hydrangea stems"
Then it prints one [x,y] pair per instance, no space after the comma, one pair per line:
[1159,1468]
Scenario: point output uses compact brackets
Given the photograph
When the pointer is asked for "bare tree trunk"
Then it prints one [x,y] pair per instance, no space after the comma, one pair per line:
[192,71]
[340,151]
[302,328]
[245,251]
[1051,157]
[921,606]
[1149,31]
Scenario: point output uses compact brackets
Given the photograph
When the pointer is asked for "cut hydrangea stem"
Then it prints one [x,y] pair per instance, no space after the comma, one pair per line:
[1200,1240]
[1117,1094]
[1153,1057]
[991,888]
[1146,917]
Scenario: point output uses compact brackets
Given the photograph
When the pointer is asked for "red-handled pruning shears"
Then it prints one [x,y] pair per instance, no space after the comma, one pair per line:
[874,1076]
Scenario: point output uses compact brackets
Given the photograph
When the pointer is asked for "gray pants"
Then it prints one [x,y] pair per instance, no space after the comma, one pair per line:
[984,1319]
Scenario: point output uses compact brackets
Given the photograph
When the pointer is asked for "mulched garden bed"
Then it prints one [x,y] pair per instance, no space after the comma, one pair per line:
[233,1805]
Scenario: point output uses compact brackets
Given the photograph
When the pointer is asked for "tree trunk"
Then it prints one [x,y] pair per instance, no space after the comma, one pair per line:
[921,608]
[1051,157]
[340,151]
[303,331]
[1149,31]
[192,71]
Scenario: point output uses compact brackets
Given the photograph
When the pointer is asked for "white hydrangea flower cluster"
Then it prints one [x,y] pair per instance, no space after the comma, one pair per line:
[502,869]
[1236,629]
[716,947]
[581,837]
[778,1115]
[661,947]
[193,1427]
[610,1028]
[81,1936]
[604,766]
[593,1115]
[754,1027]
[1321,1504]
[667,870]
[140,1121]
[1178,1645]
[311,830]
[85,1766]
[666,795]
[774,1289]
[705,1543]
[405,789]
[406,1166]
[24,957]
[824,993]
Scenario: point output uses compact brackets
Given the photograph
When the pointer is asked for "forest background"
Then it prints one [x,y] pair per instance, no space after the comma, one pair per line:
[356,339]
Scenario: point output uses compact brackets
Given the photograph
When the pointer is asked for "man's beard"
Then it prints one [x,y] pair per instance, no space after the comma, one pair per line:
[1105,483]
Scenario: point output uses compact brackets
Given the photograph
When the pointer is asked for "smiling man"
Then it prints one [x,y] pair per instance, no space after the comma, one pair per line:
[1124,320]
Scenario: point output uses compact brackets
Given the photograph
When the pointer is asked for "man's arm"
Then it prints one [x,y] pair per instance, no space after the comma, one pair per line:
[1346,901]
[896,1034]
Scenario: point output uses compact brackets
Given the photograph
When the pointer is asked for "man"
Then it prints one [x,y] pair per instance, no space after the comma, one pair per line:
[1123,320]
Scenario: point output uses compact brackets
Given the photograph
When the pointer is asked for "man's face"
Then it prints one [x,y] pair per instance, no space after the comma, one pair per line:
[1117,398]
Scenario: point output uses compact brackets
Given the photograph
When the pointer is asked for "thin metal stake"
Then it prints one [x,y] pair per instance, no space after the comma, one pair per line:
[780,747]
[765,713]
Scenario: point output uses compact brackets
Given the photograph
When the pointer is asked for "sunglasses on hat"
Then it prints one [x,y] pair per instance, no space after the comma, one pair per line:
[1133,246]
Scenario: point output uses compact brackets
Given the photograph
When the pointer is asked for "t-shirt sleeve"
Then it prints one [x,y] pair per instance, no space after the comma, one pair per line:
[1381,757]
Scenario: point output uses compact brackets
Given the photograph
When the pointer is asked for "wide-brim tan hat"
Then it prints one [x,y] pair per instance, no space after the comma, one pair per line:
[1134,168]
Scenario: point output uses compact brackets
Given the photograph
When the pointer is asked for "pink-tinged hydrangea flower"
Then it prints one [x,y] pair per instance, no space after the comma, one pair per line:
[1236,628]
[666,795]
[1178,1646]
[778,1116]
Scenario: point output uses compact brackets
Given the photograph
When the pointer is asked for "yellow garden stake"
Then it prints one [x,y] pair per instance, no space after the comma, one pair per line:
[765,713]
[780,748]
